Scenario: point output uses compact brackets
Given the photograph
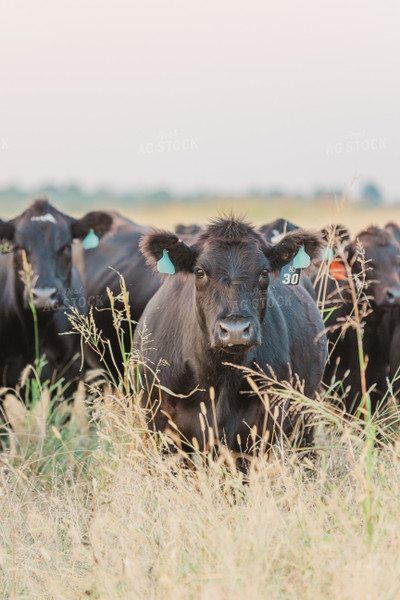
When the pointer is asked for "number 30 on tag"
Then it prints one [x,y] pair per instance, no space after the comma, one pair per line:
[290,275]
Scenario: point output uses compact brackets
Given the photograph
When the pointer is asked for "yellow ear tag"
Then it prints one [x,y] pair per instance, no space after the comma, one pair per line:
[165,265]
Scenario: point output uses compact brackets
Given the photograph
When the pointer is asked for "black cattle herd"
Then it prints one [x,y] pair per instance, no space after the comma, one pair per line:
[208,307]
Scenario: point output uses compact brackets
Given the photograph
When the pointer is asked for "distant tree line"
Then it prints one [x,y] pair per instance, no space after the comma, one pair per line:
[73,195]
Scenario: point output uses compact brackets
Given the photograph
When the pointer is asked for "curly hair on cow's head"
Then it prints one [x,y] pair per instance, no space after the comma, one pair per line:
[228,228]
[40,205]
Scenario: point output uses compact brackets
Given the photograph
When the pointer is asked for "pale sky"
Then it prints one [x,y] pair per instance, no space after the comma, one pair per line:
[216,94]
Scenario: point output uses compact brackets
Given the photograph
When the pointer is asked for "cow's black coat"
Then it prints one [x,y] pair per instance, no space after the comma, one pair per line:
[274,230]
[117,252]
[392,328]
[382,256]
[224,278]
[44,236]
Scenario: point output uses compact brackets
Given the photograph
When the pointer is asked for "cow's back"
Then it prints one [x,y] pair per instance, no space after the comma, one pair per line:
[117,253]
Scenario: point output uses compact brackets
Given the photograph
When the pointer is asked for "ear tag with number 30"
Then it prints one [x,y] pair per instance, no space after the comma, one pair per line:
[290,275]
[301,260]
[165,265]
[91,240]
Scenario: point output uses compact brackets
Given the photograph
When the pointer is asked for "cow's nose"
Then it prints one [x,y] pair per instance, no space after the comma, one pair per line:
[236,332]
[392,296]
[45,298]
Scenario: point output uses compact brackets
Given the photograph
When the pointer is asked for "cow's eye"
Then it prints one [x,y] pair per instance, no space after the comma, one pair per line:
[199,272]
[265,273]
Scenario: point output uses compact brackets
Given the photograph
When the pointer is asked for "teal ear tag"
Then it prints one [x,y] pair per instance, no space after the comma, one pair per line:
[327,254]
[165,265]
[301,260]
[91,240]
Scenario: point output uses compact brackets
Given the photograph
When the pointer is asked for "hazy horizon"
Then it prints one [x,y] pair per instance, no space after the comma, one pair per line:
[202,95]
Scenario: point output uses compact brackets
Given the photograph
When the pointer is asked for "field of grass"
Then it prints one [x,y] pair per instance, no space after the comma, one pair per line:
[311,214]
[90,508]
[94,510]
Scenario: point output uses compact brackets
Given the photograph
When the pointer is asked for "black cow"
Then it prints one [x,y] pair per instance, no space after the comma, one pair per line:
[392,323]
[394,230]
[336,233]
[118,249]
[382,263]
[222,307]
[43,236]
[274,231]
[187,232]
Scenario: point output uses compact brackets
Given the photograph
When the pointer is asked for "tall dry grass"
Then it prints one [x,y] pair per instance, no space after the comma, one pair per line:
[95,510]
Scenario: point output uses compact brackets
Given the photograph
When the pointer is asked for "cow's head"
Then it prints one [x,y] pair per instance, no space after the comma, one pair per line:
[336,234]
[192,229]
[275,230]
[44,236]
[188,233]
[382,255]
[394,230]
[230,264]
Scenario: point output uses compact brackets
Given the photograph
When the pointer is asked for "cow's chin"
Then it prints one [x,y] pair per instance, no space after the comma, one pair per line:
[386,306]
[45,311]
[48,310]
[235,348]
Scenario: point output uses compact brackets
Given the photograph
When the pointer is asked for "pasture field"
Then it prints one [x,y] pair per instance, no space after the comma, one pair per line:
[90,508]
[311,214]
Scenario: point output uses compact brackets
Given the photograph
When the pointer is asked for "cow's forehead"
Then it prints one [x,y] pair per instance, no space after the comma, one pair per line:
[374,237]
[41,211]
[47,218]
[381,253]
[48,228]
[222,255]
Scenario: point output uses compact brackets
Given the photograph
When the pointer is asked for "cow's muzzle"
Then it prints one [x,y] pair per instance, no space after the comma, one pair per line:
[392,297]
[235,335]
[45,298]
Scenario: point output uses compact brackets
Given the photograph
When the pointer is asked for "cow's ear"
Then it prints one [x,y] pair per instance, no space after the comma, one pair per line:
[394,230]
[285,250]
[7,230]
[100,222]
[182,256]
